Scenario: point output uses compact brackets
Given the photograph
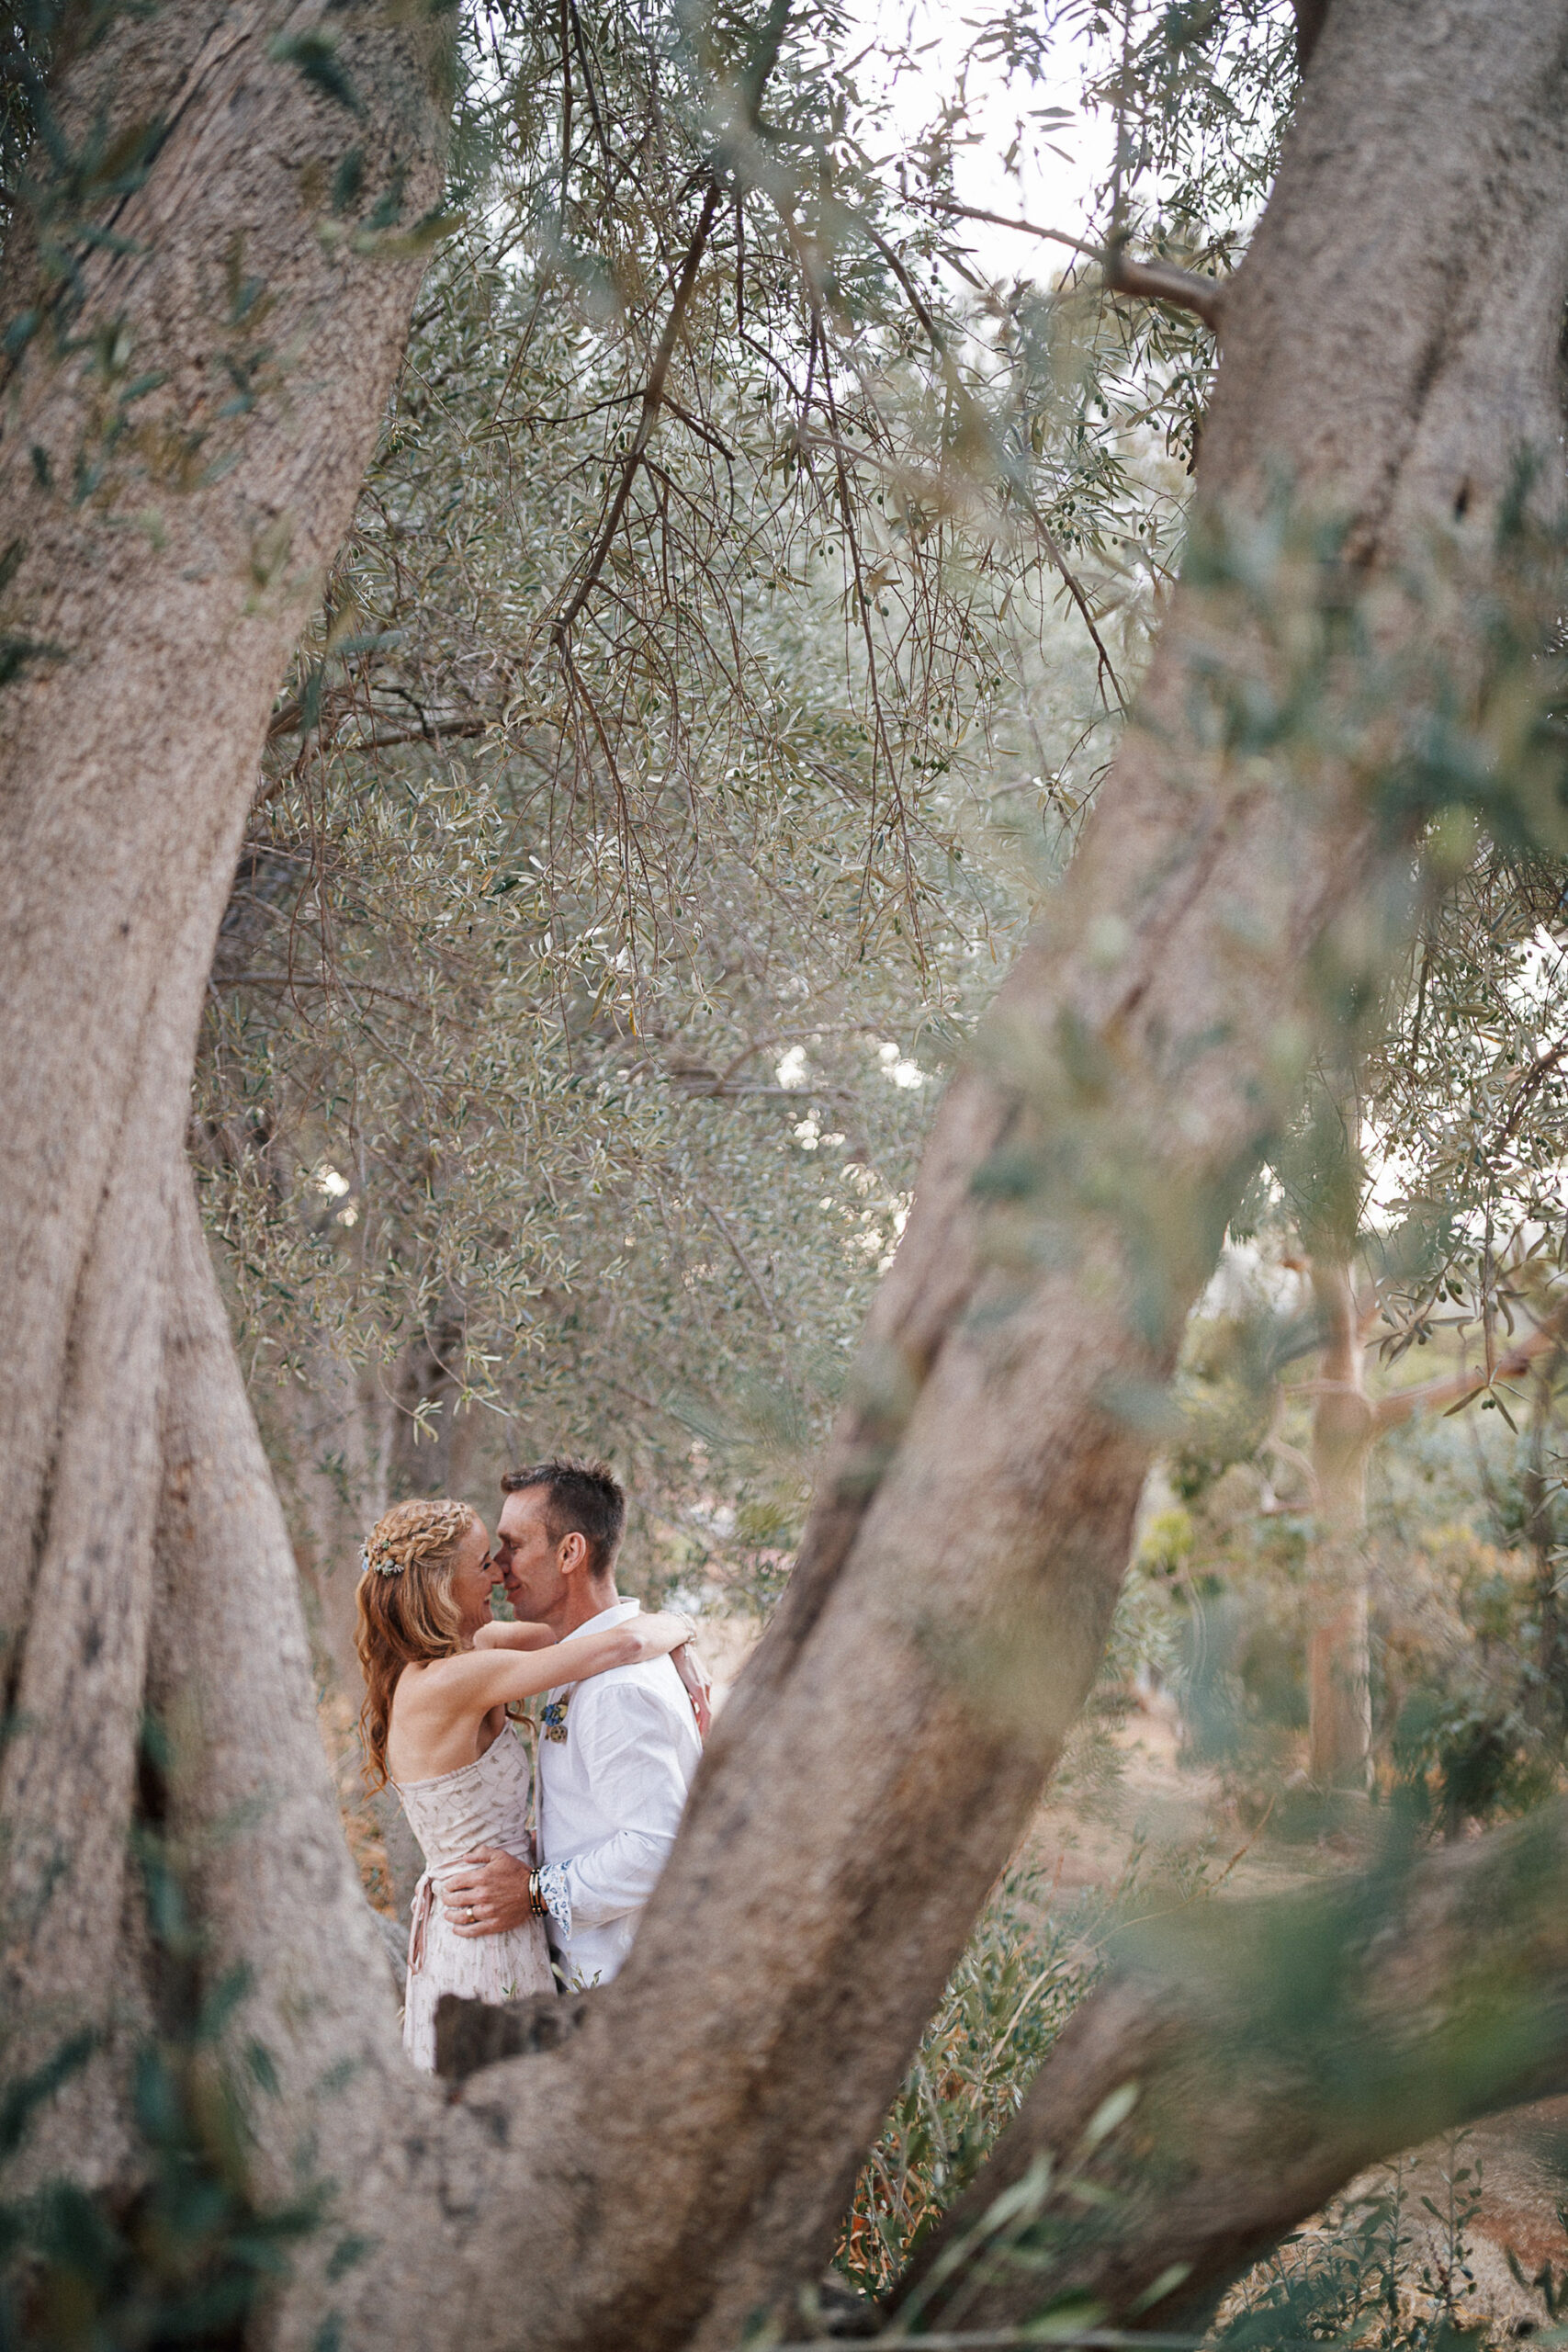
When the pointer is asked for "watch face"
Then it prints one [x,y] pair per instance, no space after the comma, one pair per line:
[552,1721]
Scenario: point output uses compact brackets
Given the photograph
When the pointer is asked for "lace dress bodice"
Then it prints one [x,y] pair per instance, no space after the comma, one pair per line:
[487,1802]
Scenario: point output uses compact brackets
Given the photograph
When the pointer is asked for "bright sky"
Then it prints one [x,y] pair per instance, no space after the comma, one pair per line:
[1054,166]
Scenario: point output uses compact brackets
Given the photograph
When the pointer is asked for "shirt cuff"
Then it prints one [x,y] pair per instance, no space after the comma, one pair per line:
[553,1894]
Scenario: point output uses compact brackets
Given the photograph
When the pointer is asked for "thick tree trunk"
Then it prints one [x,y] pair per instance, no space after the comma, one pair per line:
[1264,2053]
[685,2156]
[252,1813]
[184,436]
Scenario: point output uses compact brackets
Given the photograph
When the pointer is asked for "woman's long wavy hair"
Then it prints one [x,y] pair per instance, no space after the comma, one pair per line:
[406,1612]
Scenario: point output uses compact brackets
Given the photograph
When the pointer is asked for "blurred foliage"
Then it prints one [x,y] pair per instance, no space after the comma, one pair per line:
[180,2250]
[1466,1540]
[1387,2269]
[1021,1977]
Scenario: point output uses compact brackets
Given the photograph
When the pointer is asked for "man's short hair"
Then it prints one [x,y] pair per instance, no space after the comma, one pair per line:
[583,1499]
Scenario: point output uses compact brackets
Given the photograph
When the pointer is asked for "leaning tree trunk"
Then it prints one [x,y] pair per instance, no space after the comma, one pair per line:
[883,1752]
[686,2155]
[1256,2057]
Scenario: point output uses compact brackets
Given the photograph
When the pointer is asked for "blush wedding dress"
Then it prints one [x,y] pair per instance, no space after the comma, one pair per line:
[483,1803]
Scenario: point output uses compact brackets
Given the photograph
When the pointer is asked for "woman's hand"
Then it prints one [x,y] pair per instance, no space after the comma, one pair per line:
[699,1687]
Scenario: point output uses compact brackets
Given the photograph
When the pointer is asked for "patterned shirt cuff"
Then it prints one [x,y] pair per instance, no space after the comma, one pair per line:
[556,1900]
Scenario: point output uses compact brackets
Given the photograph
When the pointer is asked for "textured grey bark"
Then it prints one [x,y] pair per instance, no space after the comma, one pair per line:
[684,2156]
[1271,2049]
[328,1441]
[1311,16]
[252,1810]
[167,535]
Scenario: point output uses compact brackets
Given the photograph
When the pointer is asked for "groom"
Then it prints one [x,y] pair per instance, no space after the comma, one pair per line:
[616,1753]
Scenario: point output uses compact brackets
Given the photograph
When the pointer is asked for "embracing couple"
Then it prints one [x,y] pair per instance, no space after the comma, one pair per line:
[620,1734]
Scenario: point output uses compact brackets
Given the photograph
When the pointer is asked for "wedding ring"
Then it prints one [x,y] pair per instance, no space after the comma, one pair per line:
[473,1915]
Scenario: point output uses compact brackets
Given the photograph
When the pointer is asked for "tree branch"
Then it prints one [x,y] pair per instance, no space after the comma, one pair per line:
[745,1265]
[652,400]
[1539,1071]
[1162,281]
[753,80]
[1155,281]
[1003,220]
[1456,1388]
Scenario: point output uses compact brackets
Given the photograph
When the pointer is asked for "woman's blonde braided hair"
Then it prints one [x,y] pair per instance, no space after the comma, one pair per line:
[404,1606]
[415,1532]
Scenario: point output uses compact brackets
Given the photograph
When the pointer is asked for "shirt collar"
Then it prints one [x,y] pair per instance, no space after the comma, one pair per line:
[616,1614]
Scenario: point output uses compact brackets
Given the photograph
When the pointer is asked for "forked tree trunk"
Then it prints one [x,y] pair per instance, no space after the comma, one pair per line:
[1392,341]
[1347,1427]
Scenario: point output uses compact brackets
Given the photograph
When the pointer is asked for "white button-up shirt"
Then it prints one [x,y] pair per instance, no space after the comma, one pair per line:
[611,1792]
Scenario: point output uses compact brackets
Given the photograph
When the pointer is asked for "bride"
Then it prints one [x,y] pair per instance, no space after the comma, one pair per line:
[439,1676]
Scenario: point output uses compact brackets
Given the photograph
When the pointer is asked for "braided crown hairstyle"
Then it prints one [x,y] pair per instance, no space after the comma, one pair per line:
[404,1608]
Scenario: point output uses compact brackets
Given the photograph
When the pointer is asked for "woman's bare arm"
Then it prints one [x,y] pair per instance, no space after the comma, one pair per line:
[438,1707]
[517,1634]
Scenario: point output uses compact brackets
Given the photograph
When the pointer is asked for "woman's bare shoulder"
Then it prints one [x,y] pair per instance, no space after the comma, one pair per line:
[435,1683]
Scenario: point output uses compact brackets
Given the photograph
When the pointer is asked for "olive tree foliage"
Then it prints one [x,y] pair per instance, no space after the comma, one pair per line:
[616,897]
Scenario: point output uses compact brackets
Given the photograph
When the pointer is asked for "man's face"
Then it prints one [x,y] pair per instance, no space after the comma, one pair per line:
[527,1562]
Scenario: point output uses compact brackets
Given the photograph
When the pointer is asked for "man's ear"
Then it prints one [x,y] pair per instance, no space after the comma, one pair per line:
[573,1553]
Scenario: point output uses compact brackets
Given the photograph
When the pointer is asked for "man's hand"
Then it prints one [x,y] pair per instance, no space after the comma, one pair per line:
[487,1894]
[699,1686]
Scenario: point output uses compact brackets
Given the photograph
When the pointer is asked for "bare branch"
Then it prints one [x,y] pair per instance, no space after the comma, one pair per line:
[1162,281]
[1002,220]
[652,401]
[745,1265]
[1155,281]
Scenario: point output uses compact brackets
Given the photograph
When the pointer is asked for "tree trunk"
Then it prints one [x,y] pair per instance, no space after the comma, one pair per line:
[1338,1651]
[685,2156]
[1261,2055]
[185,432]
[328,1447]
[329,1438]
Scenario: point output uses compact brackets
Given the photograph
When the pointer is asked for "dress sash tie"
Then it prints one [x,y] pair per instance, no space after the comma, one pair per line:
[419,1920]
